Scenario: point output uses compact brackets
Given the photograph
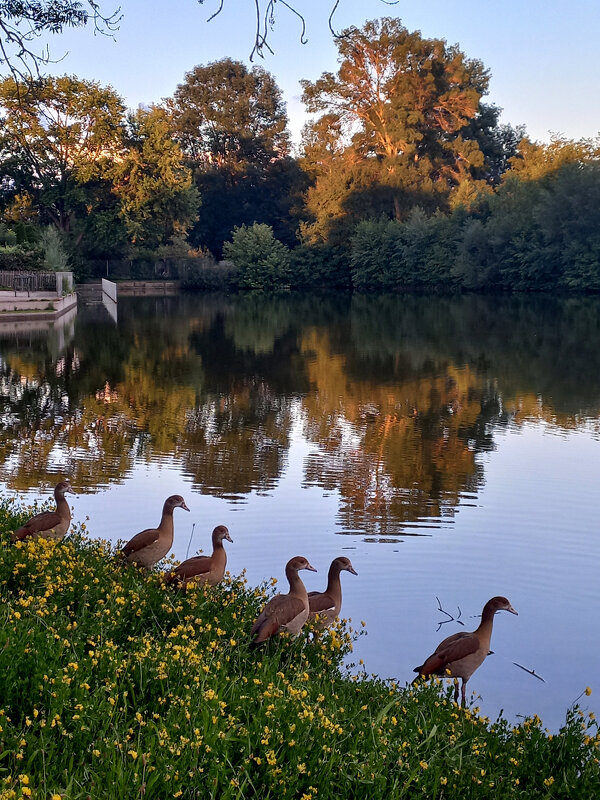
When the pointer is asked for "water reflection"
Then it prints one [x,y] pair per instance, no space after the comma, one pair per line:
[396,397]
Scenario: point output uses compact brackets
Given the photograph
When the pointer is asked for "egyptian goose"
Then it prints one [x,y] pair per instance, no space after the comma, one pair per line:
[149,546]
[287,611]
[49,524]
[204,569]
[460,654]
[328,604]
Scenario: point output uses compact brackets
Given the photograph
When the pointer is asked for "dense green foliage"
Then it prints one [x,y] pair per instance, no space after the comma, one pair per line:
[232,126]
[114,685]
[55,258]
[530,235]
[405,180]
[262,261]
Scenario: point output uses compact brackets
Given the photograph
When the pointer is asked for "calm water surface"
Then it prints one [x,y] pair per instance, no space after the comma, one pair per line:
[449,447]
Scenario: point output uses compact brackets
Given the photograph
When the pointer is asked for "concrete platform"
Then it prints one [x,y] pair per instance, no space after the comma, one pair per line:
[21,306]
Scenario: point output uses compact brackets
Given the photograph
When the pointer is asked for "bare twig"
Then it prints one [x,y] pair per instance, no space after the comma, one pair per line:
[530,671]
[187,552]
[450,617]
[266,21]
[23,22]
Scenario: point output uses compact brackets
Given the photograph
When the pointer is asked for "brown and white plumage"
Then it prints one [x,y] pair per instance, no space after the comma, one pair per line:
[204,569]
[328,604]
[285,611]
[149,546]
[49,524]
[459,655]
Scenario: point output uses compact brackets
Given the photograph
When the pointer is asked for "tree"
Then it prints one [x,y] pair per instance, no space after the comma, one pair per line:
[24,21]
[58,137]
[401,106]
[231,123]
[226,115]
[153,184]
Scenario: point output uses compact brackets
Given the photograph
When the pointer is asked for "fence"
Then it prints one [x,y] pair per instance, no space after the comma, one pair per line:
[59,283]
[148,270]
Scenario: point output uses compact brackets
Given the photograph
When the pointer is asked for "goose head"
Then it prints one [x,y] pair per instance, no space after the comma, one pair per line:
[221,532]
[175,501]
[342,563]
[297,563]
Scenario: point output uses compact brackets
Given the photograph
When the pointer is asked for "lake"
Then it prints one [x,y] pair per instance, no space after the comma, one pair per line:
[449,446]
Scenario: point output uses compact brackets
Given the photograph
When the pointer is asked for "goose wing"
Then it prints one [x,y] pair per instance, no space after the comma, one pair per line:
[452,649]
[191,567]
[41,522]
[320,601]
[283,608]
[140,540]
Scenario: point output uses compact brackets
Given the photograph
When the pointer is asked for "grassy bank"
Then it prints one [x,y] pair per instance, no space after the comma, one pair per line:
[114,686]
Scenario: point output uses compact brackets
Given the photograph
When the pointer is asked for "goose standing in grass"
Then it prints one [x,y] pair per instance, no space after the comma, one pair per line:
[328,604]
[149,546]
[204,569]
[460,654]
[284,611]
[49,524]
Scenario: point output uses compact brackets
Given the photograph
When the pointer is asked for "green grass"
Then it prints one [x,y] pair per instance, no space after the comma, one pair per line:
[115,686]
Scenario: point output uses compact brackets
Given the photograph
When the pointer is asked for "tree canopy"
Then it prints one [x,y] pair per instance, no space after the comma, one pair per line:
[406,180]
[226,115]
[231,122]
[398,113]
[58,136]
[153,184]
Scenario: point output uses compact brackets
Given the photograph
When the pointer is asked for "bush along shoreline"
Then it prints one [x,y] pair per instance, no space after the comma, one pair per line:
[113,685]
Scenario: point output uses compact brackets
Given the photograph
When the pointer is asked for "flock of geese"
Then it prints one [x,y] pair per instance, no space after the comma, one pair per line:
[457,656]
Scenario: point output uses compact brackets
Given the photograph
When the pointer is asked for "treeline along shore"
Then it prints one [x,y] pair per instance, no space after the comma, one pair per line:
[405,179]
[114,684]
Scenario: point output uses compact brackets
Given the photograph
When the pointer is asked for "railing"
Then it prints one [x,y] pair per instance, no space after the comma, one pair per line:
[59,283]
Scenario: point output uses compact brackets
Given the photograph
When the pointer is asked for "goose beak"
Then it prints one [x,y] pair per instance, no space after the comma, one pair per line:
[183,505]
[228,537]
[512,611]
[352,570]
[309,567]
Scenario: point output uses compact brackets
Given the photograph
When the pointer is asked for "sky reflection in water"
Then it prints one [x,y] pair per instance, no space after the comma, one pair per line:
[454,443]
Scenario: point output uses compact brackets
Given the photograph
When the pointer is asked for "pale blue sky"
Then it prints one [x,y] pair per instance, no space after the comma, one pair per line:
[542,55]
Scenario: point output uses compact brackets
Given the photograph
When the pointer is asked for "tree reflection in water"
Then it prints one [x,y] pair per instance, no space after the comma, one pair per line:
[396,395]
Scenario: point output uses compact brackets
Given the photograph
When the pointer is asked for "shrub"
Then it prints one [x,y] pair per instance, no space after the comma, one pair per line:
[55,257]
[18,257]
[262,260]
[317,266]
[7,237]
[203,274]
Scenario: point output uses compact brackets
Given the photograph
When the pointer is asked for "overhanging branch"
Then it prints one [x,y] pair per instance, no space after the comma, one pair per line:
[265,21]
[23,22]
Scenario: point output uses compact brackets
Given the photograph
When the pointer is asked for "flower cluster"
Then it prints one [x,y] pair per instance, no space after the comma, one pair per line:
[115,685]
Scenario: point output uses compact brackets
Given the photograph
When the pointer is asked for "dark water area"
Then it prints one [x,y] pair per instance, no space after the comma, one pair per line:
[449,446]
